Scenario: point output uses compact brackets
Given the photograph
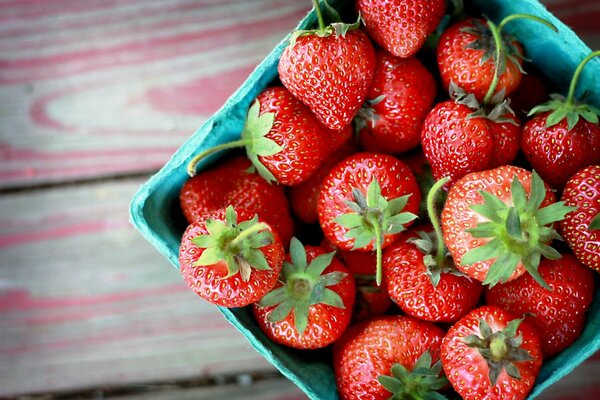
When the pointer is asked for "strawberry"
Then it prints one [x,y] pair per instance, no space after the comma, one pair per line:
[230,183]
[461,136]
[563,136]
[401,26]
[329,69]
[422,279]
[498,224]
[581,227]
[311,305]
[231,259]
[475,55]
[366,200]
[398,100]
[282,138]
[490,354]
[372,359]
[557,314]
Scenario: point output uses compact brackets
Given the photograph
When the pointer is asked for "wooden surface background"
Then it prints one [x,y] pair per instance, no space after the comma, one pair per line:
[95,95]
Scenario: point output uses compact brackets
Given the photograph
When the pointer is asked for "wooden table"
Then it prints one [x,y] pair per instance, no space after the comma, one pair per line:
[96,95]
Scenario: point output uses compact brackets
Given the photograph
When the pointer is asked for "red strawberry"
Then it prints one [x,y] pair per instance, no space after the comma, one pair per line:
[460,136]
[401,26]
[369,352]
[581,227]
[329,69]
[398,100]
[557,314]
[471,52]
[556,141]
[497,224]
[304,196]
[283,139]
[230,183]
[489,354]
[311,305]
[231,259]
[366,200]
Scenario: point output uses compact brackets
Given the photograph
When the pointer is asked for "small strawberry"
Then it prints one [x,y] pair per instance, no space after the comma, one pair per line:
[556,141]
[329,69]
[557,314]
[581,227]
[460,136]
[498,224]
[401,26]
[311,305]
[422,279]
[490,354]
[231,259]
[231,183]
[372,359]
[398,100]
[366,200]
[475,55]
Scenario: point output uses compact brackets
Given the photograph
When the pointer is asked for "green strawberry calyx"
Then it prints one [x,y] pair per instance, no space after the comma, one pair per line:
[304,285]
[237,244]
[497,109]
[595,222]
[561,107]
[500,349]
[366,115]
[373,216]
[518,232]
[421,383]
[253,138]
[337,28]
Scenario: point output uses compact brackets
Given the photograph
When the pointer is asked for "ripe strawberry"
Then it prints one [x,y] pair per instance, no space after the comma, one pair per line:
[557,314]
[366,200]
[401,26]
[231,259]
[398,100]
[581,227]
[311,305]
[461,136]
[556,141]
[283,139]
[369,352]
[497,224]
[329,69]
[474,54]
[489,354]
[230,183]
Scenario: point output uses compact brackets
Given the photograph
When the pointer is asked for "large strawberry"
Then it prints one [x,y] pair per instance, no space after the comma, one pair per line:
[421,278]
[475,55]
[282,138]
[398,100]
[490,354]
[498,224]
[231,259]
[461,136]
[366,200]
[581,227]
[388,355]
[557,314]
[563,136]
[329,69]
[231,183]
[401,26]
[311,305]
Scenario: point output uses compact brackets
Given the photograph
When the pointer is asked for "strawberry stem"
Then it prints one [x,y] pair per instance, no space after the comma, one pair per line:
[571,94]
[435,221]
[247,233]
[378,243]
[191,168]
[319,15]
[525,16]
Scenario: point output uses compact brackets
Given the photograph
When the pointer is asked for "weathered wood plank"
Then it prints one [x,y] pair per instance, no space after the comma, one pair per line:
[85,301]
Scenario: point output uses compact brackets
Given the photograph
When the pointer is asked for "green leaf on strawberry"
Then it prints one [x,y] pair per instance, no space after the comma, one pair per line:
[595,223]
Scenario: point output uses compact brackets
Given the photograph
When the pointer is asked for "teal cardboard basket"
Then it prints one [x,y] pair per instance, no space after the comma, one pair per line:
[155,208]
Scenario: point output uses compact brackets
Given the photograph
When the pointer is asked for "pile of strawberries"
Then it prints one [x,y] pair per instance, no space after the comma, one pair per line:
[393,205]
